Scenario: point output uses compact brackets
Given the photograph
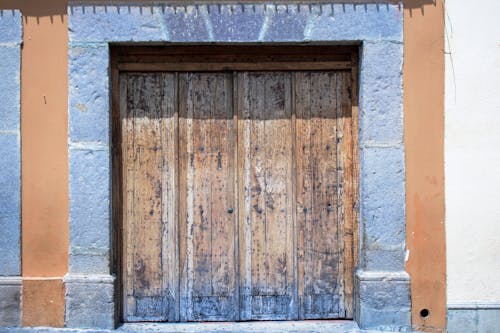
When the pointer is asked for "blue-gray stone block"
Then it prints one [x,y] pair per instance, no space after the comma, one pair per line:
[10,26]
[10,205]
[383,193]
[384,295]
[89,211]
[383,259]
[462,321]
[383,303]
[89,260]
[286,23]
[10,86]
[397,320]
[382,208]
[236,23]
[112,23]
[381,92]
[10,242]
[474,319]
[351,22]
[10,303]
[488,320]
[89,103]
[186,24]
[89,305]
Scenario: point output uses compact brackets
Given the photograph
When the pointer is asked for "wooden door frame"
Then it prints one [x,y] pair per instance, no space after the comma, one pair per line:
[221,58]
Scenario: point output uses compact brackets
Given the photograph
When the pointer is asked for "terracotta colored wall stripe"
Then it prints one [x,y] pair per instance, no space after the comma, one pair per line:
[424,143]
[44,140]
[44,159]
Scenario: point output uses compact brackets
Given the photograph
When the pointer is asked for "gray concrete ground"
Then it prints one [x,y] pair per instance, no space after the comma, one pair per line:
[313,326]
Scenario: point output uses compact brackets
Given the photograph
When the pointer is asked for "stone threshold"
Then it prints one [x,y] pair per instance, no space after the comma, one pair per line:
[309,326]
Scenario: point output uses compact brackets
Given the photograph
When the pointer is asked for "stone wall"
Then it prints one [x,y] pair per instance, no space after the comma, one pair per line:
[10,167]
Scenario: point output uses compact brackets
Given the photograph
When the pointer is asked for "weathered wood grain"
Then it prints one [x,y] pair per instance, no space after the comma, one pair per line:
[239,195]
[146,122]
[346,192]
[266,183]
[170,198]
[317,198]
[208,288]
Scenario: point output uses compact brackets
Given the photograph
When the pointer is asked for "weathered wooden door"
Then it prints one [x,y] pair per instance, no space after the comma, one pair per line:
[206,191]
[237,195]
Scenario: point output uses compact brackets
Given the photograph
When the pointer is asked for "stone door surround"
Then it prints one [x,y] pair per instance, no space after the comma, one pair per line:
[382,298]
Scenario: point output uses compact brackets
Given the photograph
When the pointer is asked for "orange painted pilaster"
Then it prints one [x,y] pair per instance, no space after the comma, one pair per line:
[44,158]
[423,74]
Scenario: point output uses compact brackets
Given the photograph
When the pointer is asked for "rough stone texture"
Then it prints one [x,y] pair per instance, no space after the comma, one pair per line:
[382,207]
[294,17]
[10,302]
[10,205]
[379,30]
[90,303]
[10,27]
[90,211]
[186,24]
[245,327]
[10,87]
[348,22]
[98,23]
[474,320]
[236,23]
[383,301]
[89,93]
[381,94]
[10,162]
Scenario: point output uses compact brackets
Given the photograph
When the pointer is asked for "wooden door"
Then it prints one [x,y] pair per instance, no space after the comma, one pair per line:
[237,195]
[206,188]
[266,196]
[150,217]
[323,148]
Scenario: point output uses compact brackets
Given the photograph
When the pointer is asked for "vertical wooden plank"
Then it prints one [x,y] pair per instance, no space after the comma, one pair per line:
[316,179]
[185,180]
[302,100]
[258,213]
[278,190]
[128,113]
[293,197]
[201,101]
[236,204]
[208,278]
[244,196]
[117,102]
[146,148]
[221,176]
[126,140]
[186,113]
[345,191]
[355,159]
[169,187]
[340,208]
[266,185]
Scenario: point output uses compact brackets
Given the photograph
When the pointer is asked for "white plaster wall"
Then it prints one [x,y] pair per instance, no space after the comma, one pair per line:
[472,150]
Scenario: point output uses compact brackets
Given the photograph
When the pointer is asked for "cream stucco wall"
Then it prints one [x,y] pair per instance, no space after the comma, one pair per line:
[472,151]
